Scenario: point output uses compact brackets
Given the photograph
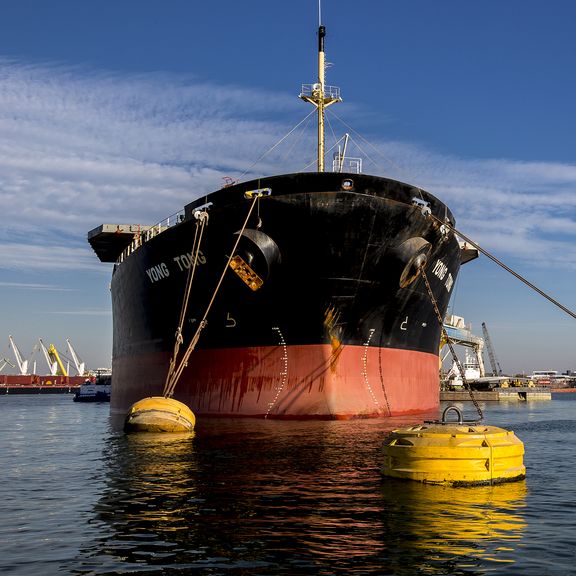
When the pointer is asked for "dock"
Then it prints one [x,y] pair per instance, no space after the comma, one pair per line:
[514,393]
[32,389]
[36,384]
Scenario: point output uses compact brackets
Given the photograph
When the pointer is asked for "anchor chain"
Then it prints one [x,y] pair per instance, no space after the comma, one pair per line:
[449,342]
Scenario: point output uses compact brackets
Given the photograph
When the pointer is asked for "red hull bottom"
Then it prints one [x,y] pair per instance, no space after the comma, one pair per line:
[297,382]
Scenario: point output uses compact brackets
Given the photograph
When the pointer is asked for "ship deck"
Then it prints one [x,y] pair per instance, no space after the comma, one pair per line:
[109,240]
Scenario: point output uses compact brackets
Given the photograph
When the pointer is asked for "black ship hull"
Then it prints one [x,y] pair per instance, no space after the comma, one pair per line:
[340,324]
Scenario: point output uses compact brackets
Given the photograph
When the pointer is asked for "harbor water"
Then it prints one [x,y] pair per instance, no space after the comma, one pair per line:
[245,497]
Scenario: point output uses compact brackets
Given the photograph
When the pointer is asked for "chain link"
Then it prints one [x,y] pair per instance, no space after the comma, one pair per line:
[449,342]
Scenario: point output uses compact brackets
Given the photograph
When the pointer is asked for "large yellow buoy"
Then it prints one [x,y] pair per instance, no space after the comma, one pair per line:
[457,454]
[159,414]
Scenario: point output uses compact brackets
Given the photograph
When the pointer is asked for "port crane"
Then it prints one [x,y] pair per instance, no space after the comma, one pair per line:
[79,365]
[22,364]
[55,364]
[496,370]
[3,363]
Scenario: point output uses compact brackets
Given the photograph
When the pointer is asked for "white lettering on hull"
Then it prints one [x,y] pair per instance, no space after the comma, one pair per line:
[440,270]
[184,261]
[158,272]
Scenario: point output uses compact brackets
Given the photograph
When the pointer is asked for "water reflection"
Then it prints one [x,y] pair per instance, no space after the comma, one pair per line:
[150,496]
[457,528]
[260,497]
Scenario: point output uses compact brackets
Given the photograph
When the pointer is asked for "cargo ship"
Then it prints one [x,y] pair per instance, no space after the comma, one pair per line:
[291,296]
[59,380]
[39,384]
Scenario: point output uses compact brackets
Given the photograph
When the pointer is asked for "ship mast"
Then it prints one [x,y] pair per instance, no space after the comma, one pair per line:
[320,95]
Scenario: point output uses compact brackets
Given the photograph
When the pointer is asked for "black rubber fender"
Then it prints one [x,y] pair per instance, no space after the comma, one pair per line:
[411,254]
[259,251]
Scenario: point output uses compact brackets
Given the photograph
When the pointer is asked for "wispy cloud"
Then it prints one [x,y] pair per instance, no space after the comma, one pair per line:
[32,286]
[82,312]
[56,258]
[524,210]
[79,148]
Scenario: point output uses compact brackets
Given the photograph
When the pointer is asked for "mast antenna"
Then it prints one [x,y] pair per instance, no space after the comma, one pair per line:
[318,94]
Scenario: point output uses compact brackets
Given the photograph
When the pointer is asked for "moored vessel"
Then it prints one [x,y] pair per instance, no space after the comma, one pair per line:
[96,388]
[292,296]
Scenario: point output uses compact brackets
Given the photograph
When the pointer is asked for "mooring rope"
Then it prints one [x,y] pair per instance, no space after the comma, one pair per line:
[171,384]
[202,219]
[507,268]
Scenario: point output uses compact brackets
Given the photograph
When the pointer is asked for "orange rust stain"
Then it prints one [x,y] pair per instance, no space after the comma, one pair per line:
[333,330]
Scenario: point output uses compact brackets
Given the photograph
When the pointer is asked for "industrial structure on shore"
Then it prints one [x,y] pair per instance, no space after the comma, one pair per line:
[63,372]
[474,368]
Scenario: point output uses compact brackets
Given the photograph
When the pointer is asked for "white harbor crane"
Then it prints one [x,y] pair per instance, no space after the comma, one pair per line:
[22,364]
[496,370]
[458,333]
[52,364]
[78,364]
[55,364]
[3,363]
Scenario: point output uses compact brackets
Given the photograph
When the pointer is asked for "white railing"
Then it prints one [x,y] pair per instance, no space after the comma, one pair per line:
[346,164]
[141,238]
[309,90]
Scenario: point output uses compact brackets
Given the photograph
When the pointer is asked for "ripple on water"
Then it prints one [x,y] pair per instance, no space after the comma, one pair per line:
[265,497]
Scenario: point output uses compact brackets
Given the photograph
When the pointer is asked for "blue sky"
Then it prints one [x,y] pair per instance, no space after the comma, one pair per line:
[125,110]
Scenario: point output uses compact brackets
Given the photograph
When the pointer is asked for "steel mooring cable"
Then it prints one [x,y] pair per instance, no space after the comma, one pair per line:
[507,268]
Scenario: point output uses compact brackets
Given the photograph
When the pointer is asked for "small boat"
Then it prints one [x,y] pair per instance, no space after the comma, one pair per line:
[96,389]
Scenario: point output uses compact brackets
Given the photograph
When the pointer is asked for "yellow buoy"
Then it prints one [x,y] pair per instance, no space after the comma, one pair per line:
[457,454]
[159,414]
